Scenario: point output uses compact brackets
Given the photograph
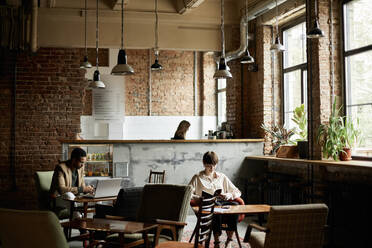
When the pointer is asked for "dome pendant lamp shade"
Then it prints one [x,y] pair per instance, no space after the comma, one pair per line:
[222,71]
[156,66]
[247,58]
[122,68]
[85,63]
[315,32]
[96,83]
[277,46]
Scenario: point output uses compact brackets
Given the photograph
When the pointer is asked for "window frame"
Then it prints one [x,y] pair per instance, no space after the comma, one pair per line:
[302,67]
[344,55]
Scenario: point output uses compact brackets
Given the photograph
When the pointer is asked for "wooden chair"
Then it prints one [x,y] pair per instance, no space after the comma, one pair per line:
[203,227]
[157,176]
[300,226]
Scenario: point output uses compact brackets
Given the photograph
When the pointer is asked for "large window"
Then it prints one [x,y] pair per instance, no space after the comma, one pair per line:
[294,70]
[357,24]
[221,101]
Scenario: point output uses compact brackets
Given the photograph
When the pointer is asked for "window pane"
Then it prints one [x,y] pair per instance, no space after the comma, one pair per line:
[359,100]
[358,21]
[294,40]
[359,78]
[221,107]
[292,95]
[221,83]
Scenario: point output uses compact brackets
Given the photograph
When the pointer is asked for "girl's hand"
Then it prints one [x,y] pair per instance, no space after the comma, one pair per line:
[227,196]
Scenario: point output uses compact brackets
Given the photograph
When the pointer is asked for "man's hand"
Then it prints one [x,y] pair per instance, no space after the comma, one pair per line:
[88,189]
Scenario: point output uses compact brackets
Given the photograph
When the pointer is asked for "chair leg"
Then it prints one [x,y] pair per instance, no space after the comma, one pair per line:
[237,237]
[192,235]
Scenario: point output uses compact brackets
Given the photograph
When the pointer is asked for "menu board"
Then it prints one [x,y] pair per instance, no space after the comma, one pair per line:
[108,103]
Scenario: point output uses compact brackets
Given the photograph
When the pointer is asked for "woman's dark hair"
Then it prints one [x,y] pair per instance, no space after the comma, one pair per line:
[181,130]
[77,153]
[210,158]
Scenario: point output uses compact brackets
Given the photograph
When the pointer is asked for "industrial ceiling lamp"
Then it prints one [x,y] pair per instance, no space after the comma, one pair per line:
[247,58]
[156,66]
[222,71]
[122,68]
[96,83]
[315,32]
[85,63]
[277,46]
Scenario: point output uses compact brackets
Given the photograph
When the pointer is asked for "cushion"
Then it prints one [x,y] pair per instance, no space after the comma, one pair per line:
[128,202]
[257,239]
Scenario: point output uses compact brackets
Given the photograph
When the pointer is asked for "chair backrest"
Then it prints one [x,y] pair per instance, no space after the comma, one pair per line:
[165,201]
[127,202]
[27,228]
[300,226]
[157,176]
[204,223]
[43,179]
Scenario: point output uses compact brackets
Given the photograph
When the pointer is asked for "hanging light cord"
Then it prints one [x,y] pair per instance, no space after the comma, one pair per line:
[316,10]
[85,35]
[156,28]
[97,36]
[246,22]
[276,17]
[122,24]
[222,29]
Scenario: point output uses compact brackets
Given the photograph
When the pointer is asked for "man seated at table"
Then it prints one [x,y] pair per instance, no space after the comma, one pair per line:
[68,176]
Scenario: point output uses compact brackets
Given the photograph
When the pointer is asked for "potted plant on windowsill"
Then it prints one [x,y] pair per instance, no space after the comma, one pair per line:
[338,136]
[300,119]
[280,136]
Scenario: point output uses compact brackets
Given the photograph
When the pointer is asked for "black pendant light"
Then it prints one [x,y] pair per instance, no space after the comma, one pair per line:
[85,63]
[96,83]
[277,46]
[222,71]
[315,32]
[156,66]
[122,68]
[247,58]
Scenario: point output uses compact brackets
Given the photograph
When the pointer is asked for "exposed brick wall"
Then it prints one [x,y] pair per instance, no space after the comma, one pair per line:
[51,96]
[207,85]
[49,102]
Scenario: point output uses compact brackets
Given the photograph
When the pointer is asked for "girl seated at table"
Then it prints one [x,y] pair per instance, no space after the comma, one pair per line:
[209,180]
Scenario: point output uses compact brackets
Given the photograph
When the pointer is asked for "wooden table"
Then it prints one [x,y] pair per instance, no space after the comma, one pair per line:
[240,209]
[115,226]
[84,201]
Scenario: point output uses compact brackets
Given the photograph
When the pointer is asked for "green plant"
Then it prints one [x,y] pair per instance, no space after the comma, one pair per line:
[280,135]
[340,132]
[300,118]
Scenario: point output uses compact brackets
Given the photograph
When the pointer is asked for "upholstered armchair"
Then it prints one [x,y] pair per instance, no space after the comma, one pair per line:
[300,226]
[22,228]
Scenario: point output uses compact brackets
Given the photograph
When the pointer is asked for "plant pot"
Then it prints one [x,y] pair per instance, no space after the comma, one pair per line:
[303,151]
[346,154]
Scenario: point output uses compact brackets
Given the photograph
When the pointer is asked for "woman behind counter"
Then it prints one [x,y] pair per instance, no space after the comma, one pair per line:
[183,127]
[209,180]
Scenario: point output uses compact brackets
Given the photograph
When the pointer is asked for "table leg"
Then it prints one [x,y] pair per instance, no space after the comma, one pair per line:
[85,210]
[146,240]
[72,208]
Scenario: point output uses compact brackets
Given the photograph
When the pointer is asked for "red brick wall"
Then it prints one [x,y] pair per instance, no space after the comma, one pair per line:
[49,102]
[51,96]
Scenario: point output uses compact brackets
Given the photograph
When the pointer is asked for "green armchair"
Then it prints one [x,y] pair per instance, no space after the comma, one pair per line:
[46,201]
[27,228]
